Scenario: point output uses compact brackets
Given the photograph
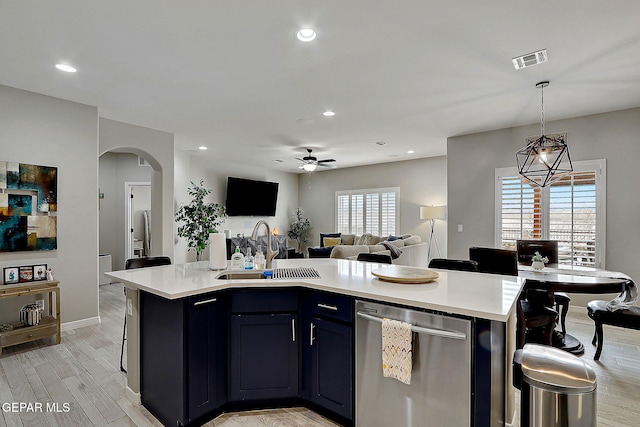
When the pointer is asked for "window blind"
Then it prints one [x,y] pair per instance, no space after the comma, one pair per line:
[372,211]
[571,211]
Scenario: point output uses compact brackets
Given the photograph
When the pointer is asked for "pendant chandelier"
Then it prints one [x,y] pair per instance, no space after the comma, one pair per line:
[545,159]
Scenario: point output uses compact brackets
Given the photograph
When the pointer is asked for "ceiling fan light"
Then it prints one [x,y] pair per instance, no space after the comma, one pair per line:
[309,167]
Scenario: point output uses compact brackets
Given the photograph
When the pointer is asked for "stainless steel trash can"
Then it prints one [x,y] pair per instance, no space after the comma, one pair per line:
[558,389]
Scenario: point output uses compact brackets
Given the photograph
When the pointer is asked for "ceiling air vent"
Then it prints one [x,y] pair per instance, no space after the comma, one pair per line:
[530,59]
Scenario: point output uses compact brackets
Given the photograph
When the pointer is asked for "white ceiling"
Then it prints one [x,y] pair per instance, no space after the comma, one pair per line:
[231,75]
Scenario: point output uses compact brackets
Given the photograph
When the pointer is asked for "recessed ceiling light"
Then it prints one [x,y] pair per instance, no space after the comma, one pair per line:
[328,114]
[411,151]
[305,121]
[202,148]
[66,68]
[380,143]
[306,34]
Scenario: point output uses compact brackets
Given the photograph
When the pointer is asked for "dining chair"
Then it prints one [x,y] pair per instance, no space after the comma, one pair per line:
[130,264]
[534,320]
[548,248]
[495,261]
[381,258]
[527,248]
[597,310]
[454,264]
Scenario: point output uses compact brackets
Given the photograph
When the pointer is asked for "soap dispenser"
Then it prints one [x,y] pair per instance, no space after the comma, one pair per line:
[259,260]
[237,260]
[248,260]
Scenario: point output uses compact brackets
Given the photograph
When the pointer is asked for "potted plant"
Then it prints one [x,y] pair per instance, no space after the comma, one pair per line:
[538,261]
[199,218]
[299,228]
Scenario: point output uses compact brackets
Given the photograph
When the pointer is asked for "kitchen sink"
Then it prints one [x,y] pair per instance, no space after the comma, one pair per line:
[238,275]
[276,273]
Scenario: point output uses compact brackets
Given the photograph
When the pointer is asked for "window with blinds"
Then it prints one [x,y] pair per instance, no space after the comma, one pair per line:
[571,211]
[373,211]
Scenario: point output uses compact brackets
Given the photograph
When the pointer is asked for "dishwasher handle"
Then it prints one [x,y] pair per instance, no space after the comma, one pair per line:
[421,330]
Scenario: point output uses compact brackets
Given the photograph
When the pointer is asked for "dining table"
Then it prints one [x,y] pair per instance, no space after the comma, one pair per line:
[540,286]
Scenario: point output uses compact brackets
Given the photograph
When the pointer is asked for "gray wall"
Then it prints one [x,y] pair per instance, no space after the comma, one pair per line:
[193,168]
[115,170]
[42,130]
[422,182]
[157,148]
[615,136]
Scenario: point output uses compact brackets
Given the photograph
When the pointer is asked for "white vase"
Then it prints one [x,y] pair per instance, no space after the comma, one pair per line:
[537,265]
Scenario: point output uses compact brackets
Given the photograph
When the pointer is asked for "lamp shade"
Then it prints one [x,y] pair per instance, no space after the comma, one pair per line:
[433,212]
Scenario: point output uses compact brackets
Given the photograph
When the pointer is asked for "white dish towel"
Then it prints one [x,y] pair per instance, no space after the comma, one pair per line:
[396,350]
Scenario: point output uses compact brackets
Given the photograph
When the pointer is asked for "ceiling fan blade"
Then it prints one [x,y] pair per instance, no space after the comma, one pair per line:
[326,161]
[327,165]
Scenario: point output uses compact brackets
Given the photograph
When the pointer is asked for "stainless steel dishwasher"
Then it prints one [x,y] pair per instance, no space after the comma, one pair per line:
[440,389]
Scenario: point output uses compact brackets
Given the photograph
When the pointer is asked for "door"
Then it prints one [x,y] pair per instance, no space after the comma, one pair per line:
[138,215]
[264,356]
[331,366]
[207,368]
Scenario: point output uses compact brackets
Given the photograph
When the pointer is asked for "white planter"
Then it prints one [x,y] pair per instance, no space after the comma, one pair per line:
[537,265]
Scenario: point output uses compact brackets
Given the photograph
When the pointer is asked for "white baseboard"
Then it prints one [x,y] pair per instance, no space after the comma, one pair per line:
[89,321]
[132,396]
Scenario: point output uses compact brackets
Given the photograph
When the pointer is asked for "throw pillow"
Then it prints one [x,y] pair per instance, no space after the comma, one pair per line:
[348,239]
[412,240]
[323,252]
[323,235]
[365,239]
[331,241]
[391,238]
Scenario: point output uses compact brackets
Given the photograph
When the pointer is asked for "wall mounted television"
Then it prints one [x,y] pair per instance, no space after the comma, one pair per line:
[248,197]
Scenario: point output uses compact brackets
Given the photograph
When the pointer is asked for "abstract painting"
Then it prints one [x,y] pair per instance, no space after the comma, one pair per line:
[28,207]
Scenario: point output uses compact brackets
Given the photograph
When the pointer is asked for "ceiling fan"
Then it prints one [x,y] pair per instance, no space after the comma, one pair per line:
[310,162]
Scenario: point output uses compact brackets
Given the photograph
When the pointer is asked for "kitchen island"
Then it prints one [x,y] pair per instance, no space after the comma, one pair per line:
[169,301]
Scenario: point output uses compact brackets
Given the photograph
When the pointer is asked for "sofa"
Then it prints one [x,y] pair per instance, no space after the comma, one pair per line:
[409,249]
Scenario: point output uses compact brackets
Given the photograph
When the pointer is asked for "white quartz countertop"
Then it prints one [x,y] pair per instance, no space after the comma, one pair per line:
[485,296]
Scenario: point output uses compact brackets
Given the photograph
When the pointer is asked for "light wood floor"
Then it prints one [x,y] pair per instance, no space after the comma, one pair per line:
[84,373]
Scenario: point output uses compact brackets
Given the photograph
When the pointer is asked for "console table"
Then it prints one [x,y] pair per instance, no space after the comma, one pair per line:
[50,323]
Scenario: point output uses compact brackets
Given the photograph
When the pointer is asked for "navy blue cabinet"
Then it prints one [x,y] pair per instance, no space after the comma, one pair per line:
[264,340]
[183,356]
[246,348]
[328,352]
[331,366]
[207,354]
[162,358]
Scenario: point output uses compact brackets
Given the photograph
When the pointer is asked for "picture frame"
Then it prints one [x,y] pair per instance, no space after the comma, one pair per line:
[26,274]
[11,275]
[39,272]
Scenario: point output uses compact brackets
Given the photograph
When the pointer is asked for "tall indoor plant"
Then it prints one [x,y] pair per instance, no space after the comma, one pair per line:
[299,229]
[199,218]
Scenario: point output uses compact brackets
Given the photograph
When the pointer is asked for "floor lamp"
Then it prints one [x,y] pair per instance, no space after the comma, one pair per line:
[432,213]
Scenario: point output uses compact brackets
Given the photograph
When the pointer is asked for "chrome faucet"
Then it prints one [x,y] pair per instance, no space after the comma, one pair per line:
[271,254]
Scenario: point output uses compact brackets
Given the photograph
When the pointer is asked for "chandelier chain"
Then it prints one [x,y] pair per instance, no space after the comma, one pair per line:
[542,111]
